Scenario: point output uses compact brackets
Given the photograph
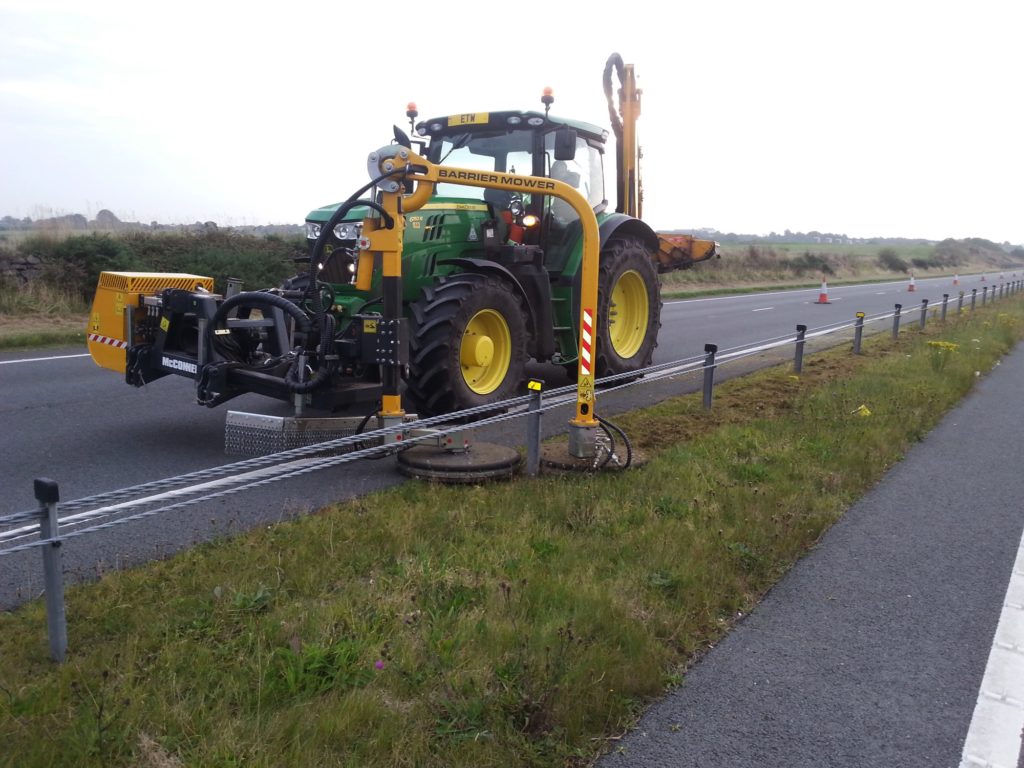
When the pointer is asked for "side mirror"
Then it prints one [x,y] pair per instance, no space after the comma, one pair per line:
[401,138]
[565,144]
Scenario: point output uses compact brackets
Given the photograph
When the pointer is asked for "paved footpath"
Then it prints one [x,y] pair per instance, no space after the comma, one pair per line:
[880,648]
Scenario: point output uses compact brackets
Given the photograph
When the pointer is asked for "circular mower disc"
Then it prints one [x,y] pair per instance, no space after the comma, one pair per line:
[482,462]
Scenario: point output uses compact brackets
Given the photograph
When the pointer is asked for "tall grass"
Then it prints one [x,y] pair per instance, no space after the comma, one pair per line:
[39,298]
[514,624]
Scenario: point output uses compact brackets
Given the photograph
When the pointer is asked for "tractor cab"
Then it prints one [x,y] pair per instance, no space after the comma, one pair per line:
[527,144]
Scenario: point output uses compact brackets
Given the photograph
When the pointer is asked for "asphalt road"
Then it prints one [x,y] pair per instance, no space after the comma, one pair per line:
[64,418]
[871,651]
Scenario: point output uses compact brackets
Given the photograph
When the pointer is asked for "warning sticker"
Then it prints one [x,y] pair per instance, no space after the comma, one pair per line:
[585,390]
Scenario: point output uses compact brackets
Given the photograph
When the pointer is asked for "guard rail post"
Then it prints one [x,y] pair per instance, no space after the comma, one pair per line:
[858,332]
[945,302]
[48,494]
[984,295]
[533,424]
[896,321]
[1001,286]
[798,353]
[924,312]
[974,297]
[960,303]
[709,373]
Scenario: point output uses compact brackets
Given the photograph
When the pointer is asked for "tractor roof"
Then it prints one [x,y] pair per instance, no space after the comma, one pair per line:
[512,120]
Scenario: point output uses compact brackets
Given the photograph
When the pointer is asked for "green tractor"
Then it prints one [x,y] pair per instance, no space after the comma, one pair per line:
[489,280]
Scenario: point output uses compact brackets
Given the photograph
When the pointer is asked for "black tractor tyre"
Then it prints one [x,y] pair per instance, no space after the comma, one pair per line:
[626,264]
[447,317]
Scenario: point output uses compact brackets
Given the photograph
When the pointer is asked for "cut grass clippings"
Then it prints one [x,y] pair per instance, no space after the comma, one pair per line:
[523,623]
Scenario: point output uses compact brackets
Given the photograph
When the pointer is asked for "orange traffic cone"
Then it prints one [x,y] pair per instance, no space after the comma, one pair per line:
[823,296]
[983,279]
[913,286]
[956,279]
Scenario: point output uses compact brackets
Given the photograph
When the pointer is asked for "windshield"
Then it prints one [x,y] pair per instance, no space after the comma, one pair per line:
[504,152]
[512,152]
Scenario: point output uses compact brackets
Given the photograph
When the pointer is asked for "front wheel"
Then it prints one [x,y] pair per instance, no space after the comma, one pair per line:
[628,308]
[468,345]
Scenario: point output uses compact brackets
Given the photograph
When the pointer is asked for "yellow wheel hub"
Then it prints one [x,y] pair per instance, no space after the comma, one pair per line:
[628,314]
[485,352]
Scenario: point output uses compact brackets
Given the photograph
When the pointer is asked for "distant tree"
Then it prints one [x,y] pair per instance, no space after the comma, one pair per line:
[107,220]
[889,259]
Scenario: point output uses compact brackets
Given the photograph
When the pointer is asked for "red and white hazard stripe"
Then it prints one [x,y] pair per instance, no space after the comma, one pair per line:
[586,349]
[108,341]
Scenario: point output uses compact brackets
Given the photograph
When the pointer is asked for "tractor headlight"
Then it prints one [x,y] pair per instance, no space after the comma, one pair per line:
[312,230]
[348,230]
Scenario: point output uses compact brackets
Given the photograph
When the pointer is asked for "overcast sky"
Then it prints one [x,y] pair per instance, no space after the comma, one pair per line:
[869,118]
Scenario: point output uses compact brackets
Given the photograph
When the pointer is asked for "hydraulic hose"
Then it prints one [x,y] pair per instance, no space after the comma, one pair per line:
[615,62]
[325,321]
[607,426]
[257,298]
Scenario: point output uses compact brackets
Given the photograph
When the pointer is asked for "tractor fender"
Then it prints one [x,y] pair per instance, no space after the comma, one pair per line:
[621,225]
[487,267]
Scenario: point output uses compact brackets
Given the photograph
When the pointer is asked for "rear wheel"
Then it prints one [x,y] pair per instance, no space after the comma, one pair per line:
[468,346]
[628,308]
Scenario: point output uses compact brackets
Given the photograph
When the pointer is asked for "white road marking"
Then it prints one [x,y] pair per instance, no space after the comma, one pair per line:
[757,295]
[41,359]
[762,309]
[880,293]
[994,737]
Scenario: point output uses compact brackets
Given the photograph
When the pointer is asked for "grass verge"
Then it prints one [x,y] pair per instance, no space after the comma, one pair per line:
[37,315]
[514,624]
[41,339]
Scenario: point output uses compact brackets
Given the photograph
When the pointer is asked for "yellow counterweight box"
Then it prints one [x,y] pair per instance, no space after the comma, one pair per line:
[107,332]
